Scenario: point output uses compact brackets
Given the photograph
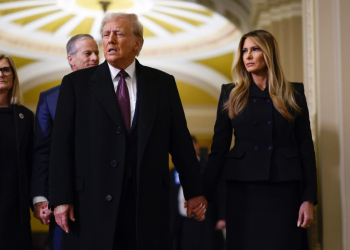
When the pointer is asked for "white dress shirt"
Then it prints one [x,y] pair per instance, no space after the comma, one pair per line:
[130,83]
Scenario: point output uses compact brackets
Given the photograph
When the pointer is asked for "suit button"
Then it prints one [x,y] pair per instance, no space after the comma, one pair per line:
[268,100]
[255,100]
[119,130]
[255,123]
[108,197]
[114,163]
[270,147]
[256,148]
[269,122]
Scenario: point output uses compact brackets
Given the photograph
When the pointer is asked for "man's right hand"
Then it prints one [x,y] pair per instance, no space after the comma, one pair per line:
[42,212]
[61,213]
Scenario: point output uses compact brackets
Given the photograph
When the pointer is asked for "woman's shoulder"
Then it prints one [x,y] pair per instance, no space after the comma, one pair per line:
[227,88]
[298,87]
[24,110]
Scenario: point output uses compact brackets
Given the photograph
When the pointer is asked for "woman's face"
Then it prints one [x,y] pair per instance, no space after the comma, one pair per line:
[253,58]
[6,82]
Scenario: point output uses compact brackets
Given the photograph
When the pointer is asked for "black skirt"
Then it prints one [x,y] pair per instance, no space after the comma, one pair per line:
[263,215]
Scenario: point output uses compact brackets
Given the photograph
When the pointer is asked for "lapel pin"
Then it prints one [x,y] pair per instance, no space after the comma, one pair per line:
[21,115]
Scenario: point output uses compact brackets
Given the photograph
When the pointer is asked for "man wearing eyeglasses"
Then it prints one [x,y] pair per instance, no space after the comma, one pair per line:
[82,52]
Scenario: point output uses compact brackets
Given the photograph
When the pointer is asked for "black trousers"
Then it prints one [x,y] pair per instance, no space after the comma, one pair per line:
[125,234]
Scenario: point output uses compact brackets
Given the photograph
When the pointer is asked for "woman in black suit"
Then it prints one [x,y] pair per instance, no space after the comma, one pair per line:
[271,171]
[16,140]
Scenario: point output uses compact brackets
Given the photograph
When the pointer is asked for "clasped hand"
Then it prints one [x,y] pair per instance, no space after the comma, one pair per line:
[197,207]
[61,213]
[42,212]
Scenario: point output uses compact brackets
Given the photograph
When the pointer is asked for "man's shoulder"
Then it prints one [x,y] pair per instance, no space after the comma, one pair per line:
[156,71]
[152,71]
[51,91]
[82,74]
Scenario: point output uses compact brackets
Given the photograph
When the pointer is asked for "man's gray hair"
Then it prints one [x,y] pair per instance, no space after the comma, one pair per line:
[71,48]
[136,26]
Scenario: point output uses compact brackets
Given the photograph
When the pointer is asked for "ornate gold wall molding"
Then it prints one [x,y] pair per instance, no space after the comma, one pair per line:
[264,16]
[263,12]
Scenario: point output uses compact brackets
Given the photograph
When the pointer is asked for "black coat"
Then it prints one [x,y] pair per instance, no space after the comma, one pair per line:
[267,147]
[15,232]
[24,122]
[88,156]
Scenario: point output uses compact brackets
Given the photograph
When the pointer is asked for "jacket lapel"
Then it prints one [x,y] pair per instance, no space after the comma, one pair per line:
[102,86]
[255,91]
[148,89]
[20,123]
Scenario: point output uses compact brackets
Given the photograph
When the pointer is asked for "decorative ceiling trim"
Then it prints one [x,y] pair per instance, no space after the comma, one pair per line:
[264,12]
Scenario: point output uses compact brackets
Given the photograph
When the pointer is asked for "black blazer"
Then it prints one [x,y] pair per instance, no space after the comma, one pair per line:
[267,147]
[24,122]
[88,156]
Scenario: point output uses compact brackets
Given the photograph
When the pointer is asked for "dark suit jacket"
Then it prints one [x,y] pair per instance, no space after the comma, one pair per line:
[88,156]
[24,122]
[267,146]
[45,115]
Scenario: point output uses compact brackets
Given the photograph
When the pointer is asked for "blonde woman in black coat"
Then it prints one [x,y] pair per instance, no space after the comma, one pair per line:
[16,140]
[271,171]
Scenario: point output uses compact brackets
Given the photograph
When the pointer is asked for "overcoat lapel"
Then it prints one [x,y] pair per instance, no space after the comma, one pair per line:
[148,89]
[102,86]
[20,123]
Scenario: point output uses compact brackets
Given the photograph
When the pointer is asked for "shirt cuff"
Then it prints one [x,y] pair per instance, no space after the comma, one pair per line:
[38,199]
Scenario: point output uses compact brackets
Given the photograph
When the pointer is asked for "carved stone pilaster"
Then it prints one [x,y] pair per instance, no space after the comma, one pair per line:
[310,84]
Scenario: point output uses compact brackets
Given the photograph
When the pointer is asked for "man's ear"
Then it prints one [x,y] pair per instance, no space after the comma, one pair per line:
[70,60]
[138,44]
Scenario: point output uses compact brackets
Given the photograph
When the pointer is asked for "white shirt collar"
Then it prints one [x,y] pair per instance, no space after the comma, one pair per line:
[130,70]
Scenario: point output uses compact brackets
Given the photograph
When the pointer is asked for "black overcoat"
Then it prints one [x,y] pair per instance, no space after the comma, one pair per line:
[88,156]
[16,232]
[24,122]
[266,148]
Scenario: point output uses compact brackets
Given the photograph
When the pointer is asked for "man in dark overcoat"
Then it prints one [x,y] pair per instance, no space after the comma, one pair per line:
[115,126]
[82,52]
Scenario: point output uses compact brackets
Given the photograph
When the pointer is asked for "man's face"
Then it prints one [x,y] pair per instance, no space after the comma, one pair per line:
[86,54]
[119,43]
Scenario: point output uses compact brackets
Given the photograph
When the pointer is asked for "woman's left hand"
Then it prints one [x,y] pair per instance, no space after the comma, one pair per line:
[306,214]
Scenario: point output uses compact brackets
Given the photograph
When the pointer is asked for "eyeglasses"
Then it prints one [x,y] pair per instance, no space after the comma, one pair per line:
[6,71]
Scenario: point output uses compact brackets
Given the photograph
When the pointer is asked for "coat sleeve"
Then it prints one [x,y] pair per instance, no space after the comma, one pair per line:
[61,164]
[305,146]
[42,142]
[29,156]
[221,144]
[181,148]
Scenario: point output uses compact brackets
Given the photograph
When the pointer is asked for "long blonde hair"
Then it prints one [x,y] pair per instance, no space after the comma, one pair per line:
[281,91]
[14,95]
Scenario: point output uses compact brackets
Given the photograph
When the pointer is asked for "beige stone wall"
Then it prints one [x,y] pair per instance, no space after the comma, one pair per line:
[283,19]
